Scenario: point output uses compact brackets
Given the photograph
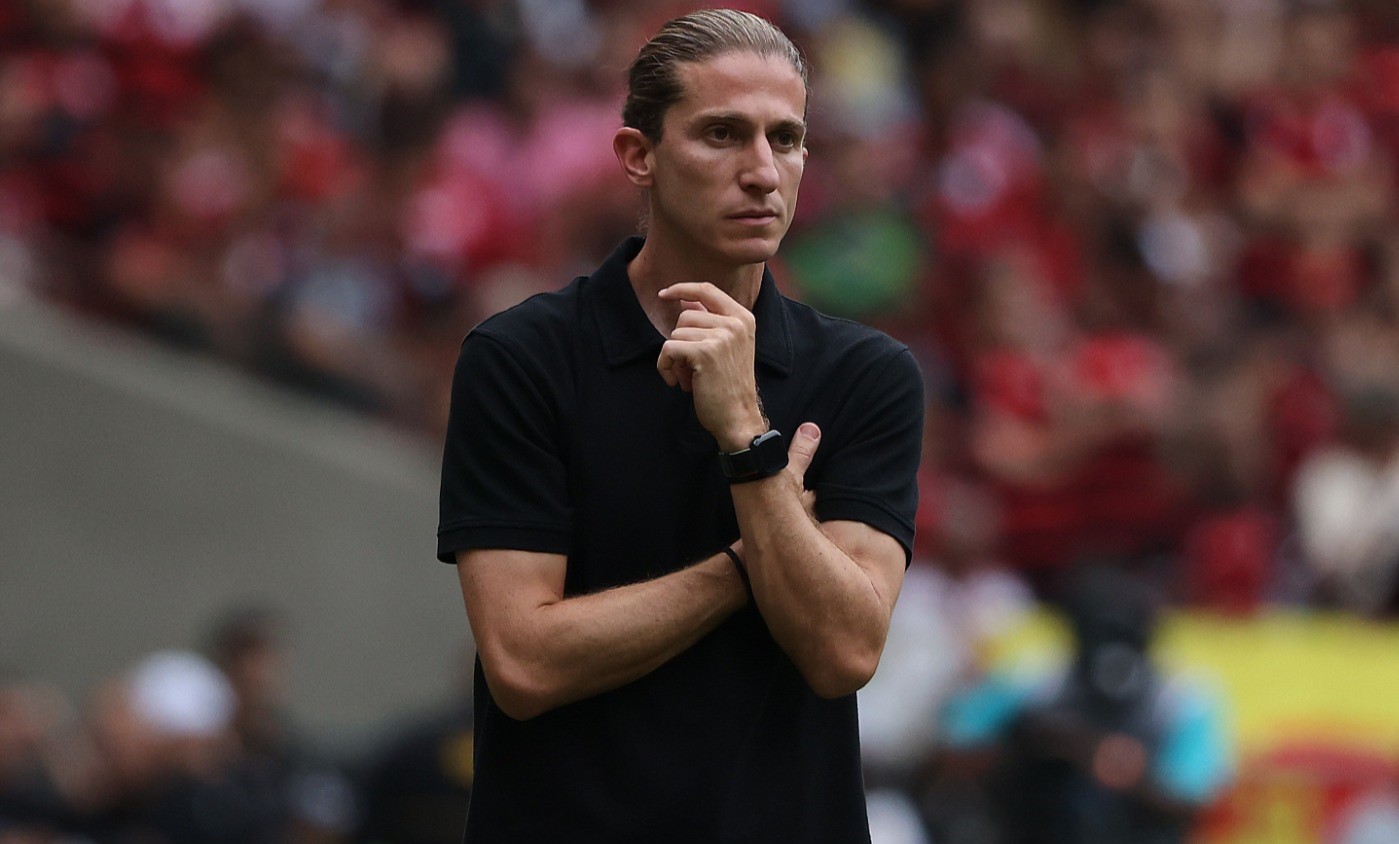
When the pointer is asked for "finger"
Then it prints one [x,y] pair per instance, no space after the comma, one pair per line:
[705,319]
[803,449]
[690,334]
[706,294]
[665,364]
[689,348]
[690,305]
[678,358]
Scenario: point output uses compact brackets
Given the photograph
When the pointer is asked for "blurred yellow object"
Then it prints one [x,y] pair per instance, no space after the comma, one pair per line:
[1311,699]
[1286,677]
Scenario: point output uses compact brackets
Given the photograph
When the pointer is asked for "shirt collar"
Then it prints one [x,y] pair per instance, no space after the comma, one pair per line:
[627,333]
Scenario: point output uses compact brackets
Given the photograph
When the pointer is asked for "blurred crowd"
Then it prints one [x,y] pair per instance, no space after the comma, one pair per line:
[1144,249]
[196,747]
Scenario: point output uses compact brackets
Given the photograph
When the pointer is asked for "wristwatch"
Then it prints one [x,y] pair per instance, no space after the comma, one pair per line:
[765,457]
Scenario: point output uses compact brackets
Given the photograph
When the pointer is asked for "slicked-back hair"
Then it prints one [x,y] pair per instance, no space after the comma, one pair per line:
[653,83]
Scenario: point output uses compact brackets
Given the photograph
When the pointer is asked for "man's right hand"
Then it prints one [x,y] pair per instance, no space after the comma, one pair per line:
[710,355]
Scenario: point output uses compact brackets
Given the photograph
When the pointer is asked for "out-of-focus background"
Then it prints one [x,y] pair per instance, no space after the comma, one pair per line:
[1146,250]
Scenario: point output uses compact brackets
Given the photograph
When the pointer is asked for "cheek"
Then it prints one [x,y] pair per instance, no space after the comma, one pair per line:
[692,183]
[676,166]
[792,175]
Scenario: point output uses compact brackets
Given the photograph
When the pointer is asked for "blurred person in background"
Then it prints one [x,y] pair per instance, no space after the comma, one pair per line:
[1347,506]
[163,764]
[162,753]
[1314,180]
[1230,547]
[302,798]
[1112,749]
[33,805]
[613,486]
[957,597]
[248,646]
[416,786]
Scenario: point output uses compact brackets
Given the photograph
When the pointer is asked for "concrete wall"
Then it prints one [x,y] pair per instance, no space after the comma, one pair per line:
[143,491]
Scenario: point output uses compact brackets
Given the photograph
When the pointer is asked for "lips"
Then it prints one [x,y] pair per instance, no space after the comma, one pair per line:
[756,217]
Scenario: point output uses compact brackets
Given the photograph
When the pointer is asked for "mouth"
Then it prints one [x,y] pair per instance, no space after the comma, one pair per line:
[754,218]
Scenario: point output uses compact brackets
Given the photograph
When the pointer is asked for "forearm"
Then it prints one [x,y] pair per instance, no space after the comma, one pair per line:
[558,650]
[826,592]
[822,607]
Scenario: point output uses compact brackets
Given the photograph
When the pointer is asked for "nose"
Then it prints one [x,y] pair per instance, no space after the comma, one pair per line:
[759,173]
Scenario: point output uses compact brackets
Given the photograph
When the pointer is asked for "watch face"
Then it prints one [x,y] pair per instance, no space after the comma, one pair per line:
[771,451]
[763,440]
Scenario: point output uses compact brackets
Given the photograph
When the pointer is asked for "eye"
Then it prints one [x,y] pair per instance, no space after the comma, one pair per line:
[786,139]
[720,133]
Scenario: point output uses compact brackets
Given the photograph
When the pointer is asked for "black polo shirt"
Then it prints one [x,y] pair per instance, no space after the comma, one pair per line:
[564,439]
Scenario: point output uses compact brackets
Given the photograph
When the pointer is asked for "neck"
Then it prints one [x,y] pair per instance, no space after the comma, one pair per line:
[658,265]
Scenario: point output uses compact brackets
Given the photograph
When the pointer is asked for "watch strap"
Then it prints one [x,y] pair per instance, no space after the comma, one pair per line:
[765,457]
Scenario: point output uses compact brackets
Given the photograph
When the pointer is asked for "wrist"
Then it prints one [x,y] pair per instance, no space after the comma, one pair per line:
[738,565]
[741,435]
[765,456]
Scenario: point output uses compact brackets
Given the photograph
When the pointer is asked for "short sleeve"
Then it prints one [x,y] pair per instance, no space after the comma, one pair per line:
[504,481]
[872,476]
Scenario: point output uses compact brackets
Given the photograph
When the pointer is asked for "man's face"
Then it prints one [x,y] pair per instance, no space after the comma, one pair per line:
[730,158]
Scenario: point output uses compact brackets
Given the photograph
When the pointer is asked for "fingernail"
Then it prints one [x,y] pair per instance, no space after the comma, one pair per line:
[809,429]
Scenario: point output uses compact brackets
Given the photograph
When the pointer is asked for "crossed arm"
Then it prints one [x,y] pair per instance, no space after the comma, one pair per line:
[826,591]
[540,650]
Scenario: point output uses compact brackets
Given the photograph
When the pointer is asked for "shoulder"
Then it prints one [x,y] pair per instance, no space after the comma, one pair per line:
[817,335]
[528,349]
[541,315]
[540,329]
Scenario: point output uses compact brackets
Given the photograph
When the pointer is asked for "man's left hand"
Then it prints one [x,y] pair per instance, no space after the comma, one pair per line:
[799,455]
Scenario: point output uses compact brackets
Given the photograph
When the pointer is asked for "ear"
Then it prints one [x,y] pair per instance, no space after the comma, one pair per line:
[634,153]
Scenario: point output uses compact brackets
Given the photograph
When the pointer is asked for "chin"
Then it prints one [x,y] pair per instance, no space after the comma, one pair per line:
[752,250]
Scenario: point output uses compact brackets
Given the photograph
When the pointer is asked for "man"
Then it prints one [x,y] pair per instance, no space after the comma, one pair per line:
[631,684]
[1111,748]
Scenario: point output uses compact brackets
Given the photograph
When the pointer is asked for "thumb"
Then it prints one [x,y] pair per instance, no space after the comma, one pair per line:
[803,449]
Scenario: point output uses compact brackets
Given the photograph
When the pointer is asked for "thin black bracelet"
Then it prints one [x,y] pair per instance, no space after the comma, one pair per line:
[738,564]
